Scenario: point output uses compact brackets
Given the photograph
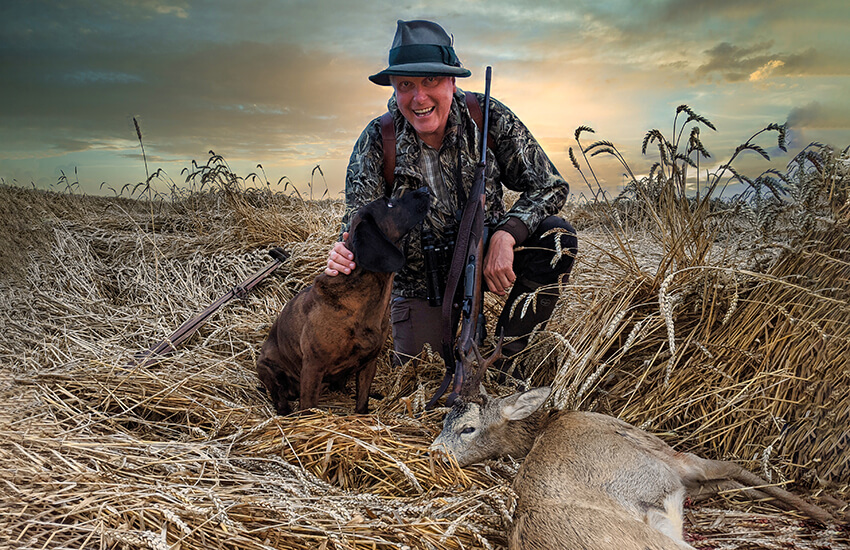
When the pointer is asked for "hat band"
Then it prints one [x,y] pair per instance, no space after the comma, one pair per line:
[423,53]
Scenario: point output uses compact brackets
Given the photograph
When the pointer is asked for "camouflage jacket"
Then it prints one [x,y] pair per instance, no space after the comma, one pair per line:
[519,163]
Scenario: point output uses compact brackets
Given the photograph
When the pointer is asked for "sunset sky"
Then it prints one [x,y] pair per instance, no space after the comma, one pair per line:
[284,83]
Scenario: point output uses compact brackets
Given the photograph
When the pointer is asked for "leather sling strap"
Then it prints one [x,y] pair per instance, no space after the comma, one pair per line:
[471,221]
[388,138]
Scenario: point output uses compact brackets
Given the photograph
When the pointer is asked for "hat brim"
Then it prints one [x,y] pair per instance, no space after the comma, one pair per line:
[418,69]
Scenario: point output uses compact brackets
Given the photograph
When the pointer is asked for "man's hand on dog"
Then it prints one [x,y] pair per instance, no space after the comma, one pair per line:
[498,263]
[340,259]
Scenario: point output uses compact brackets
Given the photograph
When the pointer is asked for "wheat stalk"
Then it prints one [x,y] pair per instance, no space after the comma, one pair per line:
[667,312]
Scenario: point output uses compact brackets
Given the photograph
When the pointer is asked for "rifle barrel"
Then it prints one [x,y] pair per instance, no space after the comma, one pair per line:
[486,130]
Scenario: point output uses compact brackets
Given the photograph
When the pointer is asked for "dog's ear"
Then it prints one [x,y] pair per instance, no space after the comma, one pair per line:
[372,250]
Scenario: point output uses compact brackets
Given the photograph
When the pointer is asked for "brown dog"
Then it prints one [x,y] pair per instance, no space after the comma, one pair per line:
[338,326]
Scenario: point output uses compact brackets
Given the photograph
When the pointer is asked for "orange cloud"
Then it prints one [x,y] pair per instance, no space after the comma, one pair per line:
[766,70]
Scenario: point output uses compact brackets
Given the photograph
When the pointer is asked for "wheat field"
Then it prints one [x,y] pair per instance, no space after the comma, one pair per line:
[721,327]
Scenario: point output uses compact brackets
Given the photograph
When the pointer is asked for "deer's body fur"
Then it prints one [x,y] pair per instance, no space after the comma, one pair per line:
[588,480]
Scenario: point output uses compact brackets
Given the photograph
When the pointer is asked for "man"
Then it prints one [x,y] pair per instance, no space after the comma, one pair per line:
[437,144]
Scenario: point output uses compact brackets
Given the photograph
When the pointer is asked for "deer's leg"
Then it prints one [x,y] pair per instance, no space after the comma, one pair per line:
[697,471]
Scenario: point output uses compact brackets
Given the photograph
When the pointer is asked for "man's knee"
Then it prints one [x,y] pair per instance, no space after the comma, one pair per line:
[557,228]
[414,323]
[555,239]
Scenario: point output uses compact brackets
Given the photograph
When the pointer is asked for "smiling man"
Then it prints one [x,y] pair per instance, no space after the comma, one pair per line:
[425,101]
[436,141]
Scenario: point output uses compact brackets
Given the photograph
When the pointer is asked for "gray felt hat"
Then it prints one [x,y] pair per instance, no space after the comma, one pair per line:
[420,48]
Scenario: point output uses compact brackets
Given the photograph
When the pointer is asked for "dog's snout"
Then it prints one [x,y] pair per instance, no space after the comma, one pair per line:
[412,206]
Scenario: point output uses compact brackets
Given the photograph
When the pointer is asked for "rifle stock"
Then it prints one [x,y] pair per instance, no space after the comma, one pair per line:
[470,254]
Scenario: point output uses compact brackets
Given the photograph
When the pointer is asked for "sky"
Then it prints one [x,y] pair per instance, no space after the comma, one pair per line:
[283,84]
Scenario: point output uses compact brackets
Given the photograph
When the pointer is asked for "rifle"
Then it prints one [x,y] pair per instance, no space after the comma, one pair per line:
[467,263]
[169,345]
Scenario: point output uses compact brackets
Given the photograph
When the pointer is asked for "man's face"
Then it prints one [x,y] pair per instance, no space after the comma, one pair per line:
[425,101]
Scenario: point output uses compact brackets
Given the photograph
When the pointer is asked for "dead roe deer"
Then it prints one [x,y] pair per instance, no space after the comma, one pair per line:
[589,480]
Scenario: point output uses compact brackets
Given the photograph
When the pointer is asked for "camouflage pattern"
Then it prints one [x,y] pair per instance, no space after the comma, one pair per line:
[520,164]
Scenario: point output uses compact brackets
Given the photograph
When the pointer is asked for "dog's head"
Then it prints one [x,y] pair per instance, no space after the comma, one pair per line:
[378,228]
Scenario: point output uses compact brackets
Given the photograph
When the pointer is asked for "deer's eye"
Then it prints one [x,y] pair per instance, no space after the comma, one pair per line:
[467,430]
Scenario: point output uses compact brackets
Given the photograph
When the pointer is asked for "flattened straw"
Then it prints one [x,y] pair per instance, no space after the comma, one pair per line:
[193,452]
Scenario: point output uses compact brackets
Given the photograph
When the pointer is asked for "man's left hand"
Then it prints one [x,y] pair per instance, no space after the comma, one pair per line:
[499,263]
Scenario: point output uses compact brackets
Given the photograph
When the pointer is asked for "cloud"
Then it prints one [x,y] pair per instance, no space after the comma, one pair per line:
[145,8]
[70,145]
[100,77]
[757,62]
[696,11]
[766,70]
[734,63]
[816,115]
[242,99]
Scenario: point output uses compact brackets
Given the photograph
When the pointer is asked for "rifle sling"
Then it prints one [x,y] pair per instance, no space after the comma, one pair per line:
[472,221]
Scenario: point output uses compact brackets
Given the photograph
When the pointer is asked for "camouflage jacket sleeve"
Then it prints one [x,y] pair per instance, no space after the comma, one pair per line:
[524,168]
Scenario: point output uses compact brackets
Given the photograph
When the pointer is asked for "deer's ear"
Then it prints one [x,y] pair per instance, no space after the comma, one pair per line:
[522,405]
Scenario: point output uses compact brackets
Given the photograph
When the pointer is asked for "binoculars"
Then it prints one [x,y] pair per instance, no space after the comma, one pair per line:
[438,259]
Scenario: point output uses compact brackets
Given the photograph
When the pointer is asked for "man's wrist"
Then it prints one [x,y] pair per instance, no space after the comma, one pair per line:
[514,227]
[499,234]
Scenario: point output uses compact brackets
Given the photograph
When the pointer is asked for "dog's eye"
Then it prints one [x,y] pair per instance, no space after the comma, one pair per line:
[467,430]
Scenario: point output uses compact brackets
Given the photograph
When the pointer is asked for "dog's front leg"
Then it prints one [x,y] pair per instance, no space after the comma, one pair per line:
[311,384]
[270,374]
[364,383]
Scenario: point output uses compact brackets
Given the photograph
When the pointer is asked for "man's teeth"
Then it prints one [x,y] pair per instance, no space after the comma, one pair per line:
[423,112]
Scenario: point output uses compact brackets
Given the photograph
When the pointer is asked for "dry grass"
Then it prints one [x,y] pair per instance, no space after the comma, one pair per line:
[188,454]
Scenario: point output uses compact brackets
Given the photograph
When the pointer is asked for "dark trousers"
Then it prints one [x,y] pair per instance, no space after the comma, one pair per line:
[415,323]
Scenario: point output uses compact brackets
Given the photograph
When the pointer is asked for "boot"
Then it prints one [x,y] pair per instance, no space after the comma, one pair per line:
[522,327]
